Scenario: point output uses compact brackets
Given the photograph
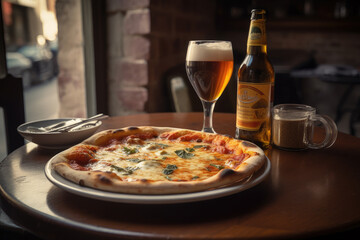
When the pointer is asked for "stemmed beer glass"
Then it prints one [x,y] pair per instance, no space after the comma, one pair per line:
[209,66]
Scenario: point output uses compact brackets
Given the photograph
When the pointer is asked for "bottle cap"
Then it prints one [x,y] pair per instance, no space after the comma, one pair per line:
[257,14]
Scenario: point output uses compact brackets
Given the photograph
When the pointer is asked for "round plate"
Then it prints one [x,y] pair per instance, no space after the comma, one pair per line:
[69,186]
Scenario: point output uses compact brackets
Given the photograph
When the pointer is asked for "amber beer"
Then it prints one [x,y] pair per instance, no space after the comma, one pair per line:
[209,67]
[255,86]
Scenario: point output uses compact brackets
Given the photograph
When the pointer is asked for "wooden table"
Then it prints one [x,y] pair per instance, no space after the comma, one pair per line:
[306,194]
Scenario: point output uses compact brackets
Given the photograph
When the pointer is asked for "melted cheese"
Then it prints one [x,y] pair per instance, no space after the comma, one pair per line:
[158,160]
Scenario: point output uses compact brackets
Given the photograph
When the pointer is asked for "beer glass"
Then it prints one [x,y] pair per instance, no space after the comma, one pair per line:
[209,66]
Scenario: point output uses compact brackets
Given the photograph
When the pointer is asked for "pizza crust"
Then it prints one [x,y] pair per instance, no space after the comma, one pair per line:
[110,181]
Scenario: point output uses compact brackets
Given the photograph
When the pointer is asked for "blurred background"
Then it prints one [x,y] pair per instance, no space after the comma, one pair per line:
[77,58]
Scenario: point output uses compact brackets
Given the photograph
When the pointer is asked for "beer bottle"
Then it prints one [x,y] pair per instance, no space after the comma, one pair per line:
[255,86]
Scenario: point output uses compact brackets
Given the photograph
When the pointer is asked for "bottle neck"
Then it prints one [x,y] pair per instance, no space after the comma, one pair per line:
[253,50]
[257,42]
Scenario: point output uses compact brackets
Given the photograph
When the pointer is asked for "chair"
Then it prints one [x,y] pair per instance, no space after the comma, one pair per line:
[345,106]
[184,98]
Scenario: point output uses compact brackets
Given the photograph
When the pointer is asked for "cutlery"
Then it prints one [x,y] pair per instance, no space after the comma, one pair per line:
[67,125]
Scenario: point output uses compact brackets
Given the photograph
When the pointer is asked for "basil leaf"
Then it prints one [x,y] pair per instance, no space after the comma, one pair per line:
[184,154]
[171,166]
[169,169]
[162,145]
[129,151]
[217,166]
[199,146]
[190,149]
[135,160]
[126,171]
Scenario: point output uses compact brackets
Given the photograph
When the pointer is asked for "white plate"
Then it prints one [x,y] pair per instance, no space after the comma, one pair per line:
[55,140]
[69,186]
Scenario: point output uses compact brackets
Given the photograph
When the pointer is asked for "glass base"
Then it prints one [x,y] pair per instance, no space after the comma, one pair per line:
[208,115]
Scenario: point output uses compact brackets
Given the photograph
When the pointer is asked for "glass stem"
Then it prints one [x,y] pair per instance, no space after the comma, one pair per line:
[208,116]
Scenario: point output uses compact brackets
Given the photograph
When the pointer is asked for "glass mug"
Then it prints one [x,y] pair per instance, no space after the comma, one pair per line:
[293,127]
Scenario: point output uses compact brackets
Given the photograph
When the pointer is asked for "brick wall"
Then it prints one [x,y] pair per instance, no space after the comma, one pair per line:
[71,78]
[148,37]
[330,47]
[145,39]
[128,24]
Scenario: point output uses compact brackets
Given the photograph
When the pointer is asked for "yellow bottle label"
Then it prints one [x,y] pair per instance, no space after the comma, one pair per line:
[253,105]
[257,33]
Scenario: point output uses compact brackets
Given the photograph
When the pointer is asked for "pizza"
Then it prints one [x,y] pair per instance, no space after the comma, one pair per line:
[158,160]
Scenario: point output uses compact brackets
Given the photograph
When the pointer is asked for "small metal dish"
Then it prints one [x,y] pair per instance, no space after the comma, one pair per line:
[56,140]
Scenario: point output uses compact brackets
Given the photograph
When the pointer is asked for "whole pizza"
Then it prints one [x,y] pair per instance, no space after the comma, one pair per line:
[158,160]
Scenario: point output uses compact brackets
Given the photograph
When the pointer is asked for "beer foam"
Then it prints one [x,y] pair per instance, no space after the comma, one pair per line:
[291,116]
[210,51]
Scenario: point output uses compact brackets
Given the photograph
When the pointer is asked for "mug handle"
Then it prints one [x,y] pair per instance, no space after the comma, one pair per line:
[330,127]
